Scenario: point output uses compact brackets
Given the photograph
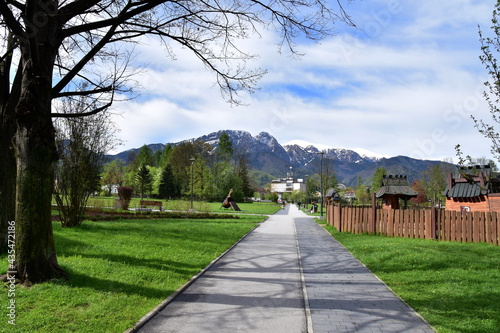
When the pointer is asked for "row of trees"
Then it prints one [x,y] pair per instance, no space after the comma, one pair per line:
[169,173]
[190,168]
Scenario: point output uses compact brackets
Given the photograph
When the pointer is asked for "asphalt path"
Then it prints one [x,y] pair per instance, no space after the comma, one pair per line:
[288,275]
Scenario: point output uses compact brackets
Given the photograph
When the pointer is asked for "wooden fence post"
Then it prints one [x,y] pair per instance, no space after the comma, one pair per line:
[373,226]
[328,214]
[431,232]
[337,216]
[342,218]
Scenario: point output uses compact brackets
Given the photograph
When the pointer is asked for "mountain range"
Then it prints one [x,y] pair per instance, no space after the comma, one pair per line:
[266,155]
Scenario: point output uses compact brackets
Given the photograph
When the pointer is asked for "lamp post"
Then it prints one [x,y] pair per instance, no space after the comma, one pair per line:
[321,153]
[192,159]
[305,179]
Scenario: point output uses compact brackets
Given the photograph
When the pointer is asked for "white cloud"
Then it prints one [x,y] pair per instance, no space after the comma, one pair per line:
[405,83]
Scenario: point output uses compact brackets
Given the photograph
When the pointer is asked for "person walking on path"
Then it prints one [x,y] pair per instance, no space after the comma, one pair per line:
[288,275]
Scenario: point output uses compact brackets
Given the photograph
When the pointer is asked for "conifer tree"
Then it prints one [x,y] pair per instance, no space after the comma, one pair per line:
[377,179]
[225,148]
[169,187]
[143,180]
[242,174]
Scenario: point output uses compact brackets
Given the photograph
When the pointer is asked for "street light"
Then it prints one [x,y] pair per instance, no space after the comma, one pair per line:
[305,179]
[321,153]
[192,159]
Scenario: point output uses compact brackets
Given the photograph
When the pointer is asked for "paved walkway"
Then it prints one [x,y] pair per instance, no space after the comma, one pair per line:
[288,275]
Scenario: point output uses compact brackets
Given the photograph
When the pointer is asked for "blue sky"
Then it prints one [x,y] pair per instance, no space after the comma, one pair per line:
[405,82]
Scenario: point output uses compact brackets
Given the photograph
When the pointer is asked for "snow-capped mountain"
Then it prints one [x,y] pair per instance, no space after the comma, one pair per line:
[264,153]
[336,150]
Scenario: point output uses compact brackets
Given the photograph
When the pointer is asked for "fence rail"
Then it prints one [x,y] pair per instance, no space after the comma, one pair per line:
[430,223]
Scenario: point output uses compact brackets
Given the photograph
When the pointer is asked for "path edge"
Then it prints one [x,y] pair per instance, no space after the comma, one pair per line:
[307,308]
[148,316]
[415,312]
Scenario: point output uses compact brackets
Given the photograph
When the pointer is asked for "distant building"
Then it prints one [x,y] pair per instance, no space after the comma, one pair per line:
[287,185]
[473,189]
[350,196]
[111,190]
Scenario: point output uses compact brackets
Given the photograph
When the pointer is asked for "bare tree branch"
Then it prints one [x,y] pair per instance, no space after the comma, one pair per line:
[83,114]
[10,20]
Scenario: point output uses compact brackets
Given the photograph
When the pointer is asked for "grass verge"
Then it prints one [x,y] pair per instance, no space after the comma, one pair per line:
[199,206]
[119,271]
[454,286]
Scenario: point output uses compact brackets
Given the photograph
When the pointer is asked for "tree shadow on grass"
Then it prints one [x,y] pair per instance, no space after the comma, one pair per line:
[92,258]
[195,230]
[471,314]
[101,284]
[69,247]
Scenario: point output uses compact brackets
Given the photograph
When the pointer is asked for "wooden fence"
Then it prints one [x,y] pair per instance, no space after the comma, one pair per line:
[429,223]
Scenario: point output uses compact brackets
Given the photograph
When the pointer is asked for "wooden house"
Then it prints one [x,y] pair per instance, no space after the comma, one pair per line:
[394,188]
[332,196]
[473,189]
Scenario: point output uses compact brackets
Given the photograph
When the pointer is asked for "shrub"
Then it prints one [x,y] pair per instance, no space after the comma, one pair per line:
[125,195]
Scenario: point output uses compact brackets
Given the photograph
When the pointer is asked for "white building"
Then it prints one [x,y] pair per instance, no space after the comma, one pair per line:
[288,184]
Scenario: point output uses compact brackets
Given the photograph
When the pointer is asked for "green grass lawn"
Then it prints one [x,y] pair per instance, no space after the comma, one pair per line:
[454,286]
[122,269]
[183,205]
[119,271]
[248,208]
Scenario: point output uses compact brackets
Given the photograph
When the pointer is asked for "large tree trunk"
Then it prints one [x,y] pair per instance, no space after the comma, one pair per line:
[35,251]
[7,176]
[36,154]
[36,157]
[7,160]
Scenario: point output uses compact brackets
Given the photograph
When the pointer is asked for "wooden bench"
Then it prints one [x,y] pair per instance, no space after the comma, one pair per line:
[152,204]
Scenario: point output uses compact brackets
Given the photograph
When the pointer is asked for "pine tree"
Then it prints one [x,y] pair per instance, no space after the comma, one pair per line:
[225,148]
[377,179]
[168,186]
[143,180]
[145,156]
[242,174]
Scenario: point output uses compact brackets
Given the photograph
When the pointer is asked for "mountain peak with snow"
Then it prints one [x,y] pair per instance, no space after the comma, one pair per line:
[265,154]
[323,147]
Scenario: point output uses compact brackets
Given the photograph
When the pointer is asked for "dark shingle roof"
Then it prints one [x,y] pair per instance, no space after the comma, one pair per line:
[333,194]
[465,190]
[471,182]
[396,190]
[395,185]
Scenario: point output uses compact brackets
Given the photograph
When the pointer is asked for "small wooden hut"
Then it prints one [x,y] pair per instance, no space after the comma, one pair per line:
[332,196]
[473,189]
[394,187]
